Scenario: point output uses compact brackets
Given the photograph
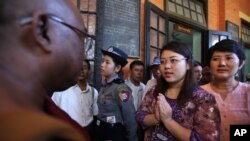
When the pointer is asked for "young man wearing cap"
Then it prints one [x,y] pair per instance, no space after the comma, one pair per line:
[116,118]
[154,68]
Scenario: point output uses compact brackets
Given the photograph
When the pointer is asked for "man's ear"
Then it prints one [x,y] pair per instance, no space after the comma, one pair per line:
[40,30]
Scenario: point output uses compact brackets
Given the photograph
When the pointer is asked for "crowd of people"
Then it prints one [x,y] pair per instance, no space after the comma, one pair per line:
[45,94]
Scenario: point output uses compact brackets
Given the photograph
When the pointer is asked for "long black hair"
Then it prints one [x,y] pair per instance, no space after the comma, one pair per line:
[189,81]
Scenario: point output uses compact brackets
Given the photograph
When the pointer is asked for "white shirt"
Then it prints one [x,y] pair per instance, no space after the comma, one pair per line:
[80,105]
[137,92]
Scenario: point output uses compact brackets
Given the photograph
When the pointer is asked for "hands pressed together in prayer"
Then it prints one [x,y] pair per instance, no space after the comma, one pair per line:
[162,109]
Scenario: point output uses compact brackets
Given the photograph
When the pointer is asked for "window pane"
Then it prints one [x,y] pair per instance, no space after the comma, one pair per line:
[162,40]
[187,12]
[243,29]
[92,5]
[185,3]
[215,39]
[171,7]
[243,37]
[84,4]
[153,19]
[153,38]
[91,24]
[198,8]
[194,17]
[200,18]
[223,37]
[179,10]
[153,53]
[85,19]
[192,5]
[90,51]
[179,2]
[162,25]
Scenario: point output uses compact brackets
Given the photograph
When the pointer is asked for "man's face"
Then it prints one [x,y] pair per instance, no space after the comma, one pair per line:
[68,44]
[85,72]
[136,73]
[198,73]
[156,71]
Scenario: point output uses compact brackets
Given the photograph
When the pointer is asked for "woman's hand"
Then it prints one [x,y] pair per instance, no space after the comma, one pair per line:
[156,111]
[165,111]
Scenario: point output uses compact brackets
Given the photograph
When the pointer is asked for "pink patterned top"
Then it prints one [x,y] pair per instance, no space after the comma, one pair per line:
[234,109]
[200,114]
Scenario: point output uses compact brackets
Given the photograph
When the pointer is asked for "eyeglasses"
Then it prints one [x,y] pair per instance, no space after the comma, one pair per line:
[172,61]
[88,39]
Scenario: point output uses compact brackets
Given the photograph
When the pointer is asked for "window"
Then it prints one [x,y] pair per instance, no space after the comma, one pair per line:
[88,12]
[245,33]
[189,10]
[156,34]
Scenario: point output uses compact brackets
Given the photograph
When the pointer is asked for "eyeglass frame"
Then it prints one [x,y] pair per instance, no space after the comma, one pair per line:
[27,20]
[86,37]
[172,61]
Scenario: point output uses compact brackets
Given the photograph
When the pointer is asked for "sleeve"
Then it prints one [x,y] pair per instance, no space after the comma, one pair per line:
[128,111]
[206,120]
[95,106]
[145,107]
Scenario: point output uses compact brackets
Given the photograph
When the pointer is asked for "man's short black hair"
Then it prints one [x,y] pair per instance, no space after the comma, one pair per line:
[136,63]
[88,64]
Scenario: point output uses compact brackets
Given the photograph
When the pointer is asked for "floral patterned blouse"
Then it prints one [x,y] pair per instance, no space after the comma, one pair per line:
[200,114]
[234,109]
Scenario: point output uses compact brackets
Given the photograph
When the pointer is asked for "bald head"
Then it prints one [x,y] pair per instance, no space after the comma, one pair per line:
[11,11]
[37,43]
[14,9]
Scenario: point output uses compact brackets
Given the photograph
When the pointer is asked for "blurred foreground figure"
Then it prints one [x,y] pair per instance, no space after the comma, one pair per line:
[35,61]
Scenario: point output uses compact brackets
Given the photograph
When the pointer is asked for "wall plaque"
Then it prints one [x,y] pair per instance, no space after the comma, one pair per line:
[118,25]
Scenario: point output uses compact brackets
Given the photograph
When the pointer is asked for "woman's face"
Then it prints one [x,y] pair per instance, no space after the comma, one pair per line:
[224,65]
[108,68]
[173,67]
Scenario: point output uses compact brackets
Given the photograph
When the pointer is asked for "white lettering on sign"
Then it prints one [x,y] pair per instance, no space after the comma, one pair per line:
[240,132]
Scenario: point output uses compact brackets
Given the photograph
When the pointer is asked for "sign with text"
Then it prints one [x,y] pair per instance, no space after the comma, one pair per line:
[118,25]
[183,29]
[239,132]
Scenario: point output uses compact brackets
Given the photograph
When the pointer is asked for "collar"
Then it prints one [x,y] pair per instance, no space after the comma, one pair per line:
[87,88]
[129,82]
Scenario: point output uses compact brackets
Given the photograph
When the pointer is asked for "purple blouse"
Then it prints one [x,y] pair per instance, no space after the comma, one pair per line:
[200,114]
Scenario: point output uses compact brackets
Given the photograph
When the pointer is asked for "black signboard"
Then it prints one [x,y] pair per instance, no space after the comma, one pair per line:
[118,25]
